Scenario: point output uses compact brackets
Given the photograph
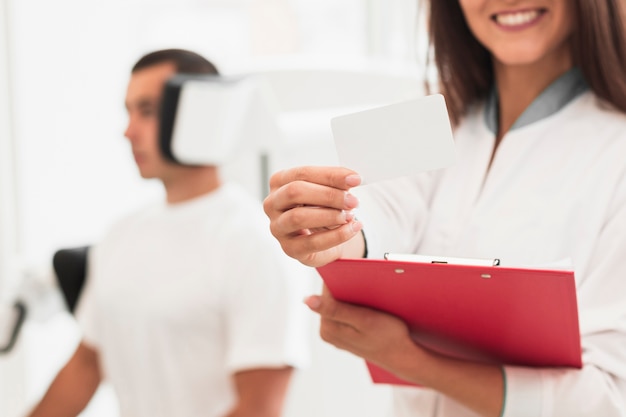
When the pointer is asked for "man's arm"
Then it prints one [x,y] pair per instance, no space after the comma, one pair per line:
[261,392]
[73,387]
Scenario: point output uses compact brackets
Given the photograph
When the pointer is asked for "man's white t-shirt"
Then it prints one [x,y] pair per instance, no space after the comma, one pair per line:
[555,190]
[181,296]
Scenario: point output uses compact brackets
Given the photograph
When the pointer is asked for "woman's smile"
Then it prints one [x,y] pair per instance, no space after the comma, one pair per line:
[518,19]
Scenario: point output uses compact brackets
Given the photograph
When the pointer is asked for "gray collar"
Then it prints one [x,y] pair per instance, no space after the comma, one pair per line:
[563,90]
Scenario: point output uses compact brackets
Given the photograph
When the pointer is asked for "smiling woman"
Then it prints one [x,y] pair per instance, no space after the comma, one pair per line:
[537,94]
[523,40]
[520,34]
[587,33]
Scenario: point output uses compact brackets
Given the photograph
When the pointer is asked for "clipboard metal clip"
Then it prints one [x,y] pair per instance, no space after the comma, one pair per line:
[403,257]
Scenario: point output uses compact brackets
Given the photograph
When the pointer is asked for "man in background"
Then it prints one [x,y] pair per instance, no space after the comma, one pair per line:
[190,307]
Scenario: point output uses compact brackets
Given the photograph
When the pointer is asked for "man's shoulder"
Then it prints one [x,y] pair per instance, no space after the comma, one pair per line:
[237,204]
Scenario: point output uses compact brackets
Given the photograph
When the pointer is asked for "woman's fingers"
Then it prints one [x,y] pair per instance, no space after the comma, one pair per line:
[310,212]
[363,331]
[320,247]
[335,177]
[302,193]
[309,217]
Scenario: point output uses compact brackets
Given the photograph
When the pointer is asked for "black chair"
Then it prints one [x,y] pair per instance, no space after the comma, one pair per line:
[70,268]
[20,315]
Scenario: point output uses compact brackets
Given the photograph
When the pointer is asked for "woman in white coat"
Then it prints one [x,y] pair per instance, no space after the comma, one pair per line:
[536,92]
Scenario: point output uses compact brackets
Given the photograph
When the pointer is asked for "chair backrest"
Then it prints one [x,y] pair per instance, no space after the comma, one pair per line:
[70,268]
[11,320]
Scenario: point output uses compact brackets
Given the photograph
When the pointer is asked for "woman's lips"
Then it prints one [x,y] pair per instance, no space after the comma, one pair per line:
[519,19]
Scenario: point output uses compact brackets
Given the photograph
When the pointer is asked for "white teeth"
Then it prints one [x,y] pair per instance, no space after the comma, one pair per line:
[516,19]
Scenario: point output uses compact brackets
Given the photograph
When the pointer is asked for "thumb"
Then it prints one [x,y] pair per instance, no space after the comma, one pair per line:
[314,302]
[329,308]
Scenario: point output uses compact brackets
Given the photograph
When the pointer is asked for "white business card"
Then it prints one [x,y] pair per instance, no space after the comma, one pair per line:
[397,140]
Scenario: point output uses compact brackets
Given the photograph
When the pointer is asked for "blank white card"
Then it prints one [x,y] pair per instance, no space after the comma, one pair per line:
[397,140]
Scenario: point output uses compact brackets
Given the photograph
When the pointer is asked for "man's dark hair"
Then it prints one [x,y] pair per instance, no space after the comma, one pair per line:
[186,62]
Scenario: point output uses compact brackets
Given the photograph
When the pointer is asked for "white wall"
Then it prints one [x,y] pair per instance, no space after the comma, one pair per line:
[74,175]
[8,210]
[12,391]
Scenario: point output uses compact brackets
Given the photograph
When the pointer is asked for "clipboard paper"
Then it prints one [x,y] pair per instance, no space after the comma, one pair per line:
[488,314]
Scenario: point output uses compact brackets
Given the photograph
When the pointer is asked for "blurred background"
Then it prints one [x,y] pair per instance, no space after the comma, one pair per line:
[66,172]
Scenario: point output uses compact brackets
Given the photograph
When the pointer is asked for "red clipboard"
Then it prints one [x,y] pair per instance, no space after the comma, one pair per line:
[490,314]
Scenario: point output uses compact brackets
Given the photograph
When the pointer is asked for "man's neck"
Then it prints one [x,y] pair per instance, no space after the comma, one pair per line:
[191,182]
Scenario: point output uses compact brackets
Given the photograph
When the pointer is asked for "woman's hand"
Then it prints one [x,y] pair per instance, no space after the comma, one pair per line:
[310,214]
[385,341]
[378,337]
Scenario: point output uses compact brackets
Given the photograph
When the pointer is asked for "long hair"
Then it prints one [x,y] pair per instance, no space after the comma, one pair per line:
[465,68]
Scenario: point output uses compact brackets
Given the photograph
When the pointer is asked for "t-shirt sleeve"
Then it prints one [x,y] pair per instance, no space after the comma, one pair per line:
[267,324]
[86,313]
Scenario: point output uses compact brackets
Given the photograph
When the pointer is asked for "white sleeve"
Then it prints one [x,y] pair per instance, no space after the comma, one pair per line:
[599,388]
[267,324]
[394,213]
[85,313]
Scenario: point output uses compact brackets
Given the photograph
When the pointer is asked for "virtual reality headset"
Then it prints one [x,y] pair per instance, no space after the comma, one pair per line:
[205,119]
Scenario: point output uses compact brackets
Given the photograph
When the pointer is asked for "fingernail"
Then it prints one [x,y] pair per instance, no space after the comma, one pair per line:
[313,302]
[351,201]
[353,180]
[349,216]
[356,226]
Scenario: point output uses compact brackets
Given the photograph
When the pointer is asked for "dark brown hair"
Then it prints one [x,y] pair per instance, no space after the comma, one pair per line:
[186,62]
[465,67]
